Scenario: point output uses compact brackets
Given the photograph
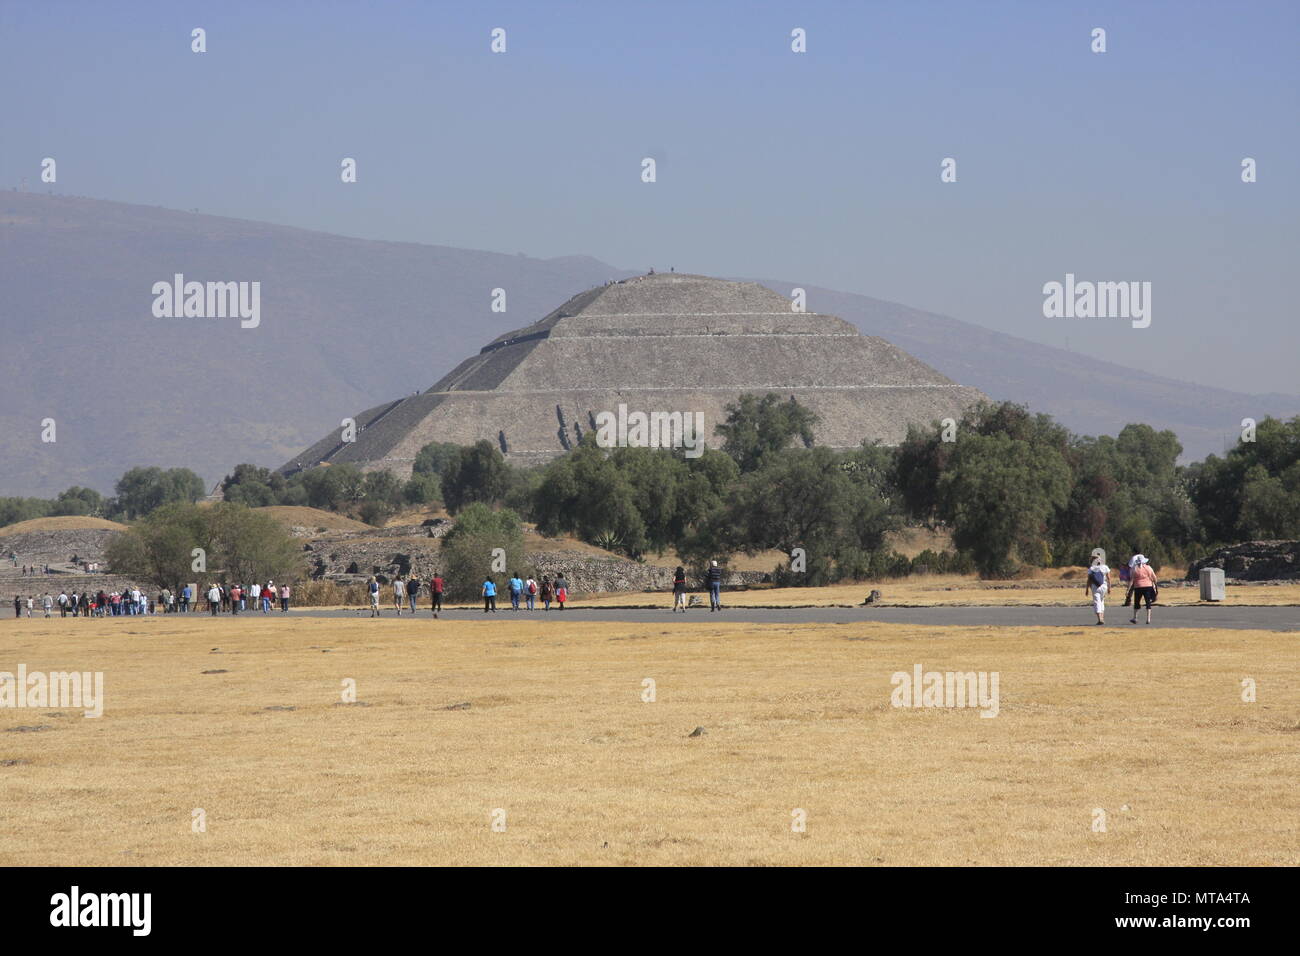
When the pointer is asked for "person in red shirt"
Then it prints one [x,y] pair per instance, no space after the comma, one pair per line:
[435,593]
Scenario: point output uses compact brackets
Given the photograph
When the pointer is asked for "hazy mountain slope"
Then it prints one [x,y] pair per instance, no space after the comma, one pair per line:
[1088,395]
[345,324]
[348,323]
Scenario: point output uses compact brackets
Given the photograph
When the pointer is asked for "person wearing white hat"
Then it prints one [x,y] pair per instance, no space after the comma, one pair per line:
[1098,582]
[1144,589]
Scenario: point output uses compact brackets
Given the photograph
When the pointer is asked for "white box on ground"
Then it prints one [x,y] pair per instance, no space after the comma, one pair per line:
[1212,588]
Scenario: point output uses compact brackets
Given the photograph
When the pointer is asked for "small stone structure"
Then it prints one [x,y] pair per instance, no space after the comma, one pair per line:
[1253,561]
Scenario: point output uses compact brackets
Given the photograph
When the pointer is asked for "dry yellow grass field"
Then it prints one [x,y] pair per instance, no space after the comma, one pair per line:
[60,523]
[305,517]
[454,720]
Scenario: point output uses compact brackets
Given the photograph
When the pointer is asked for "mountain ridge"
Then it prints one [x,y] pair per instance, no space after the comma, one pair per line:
[352,323]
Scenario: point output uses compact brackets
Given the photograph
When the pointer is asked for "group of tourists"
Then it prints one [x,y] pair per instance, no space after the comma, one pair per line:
[1138,575]
[234,598]
[406,593]
[127,602]
[525,592]
[529,591]
[712,578]
[131,601]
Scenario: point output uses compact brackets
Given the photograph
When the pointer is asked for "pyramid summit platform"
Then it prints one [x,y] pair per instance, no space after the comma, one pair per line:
[665,342]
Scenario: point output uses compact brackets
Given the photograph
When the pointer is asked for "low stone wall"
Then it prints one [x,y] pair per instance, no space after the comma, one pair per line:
[589,574]
[56,547]
[1253,561]
[375,552]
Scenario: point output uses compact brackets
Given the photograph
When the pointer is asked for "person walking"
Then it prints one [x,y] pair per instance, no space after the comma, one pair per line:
[373,587]
[714,579]
[489,595]
[236,599]
[1144,588]
[29,606]
[530,592]
[284,599]
[545,592]
[214,599]
[679,589]
[412,589]
[1098,582]
[561,590]
[18,606]
[516,588]
[435,592]
[399,594]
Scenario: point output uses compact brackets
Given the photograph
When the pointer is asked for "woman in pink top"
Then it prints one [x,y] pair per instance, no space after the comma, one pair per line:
[1144,588]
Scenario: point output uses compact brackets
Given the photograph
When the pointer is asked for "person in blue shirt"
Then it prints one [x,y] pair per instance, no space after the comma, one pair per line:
[489,596]
[516,589]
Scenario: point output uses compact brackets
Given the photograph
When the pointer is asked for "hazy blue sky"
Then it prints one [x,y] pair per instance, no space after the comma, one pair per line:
[820,167]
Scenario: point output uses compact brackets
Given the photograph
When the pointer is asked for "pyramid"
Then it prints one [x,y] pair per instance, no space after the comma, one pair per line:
[660,342]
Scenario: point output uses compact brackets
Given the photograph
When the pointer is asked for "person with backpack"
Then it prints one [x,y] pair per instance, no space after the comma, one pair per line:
[373,587]
[435,592]
[714,580]
[679,589]
[1143,589]
[545,592]
[412,589]
[1098,582]
[561,590]
[489,595]
[530,592]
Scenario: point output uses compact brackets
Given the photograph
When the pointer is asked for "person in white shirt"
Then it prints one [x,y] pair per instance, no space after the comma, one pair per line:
[399,594]
[1098,582]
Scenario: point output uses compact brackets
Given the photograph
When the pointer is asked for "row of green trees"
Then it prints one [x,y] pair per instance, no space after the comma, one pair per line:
[137,493]
[1013,488]
[181,542]
[233,543]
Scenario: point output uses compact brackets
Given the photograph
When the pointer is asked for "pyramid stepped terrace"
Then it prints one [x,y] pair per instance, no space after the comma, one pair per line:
[664,342]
